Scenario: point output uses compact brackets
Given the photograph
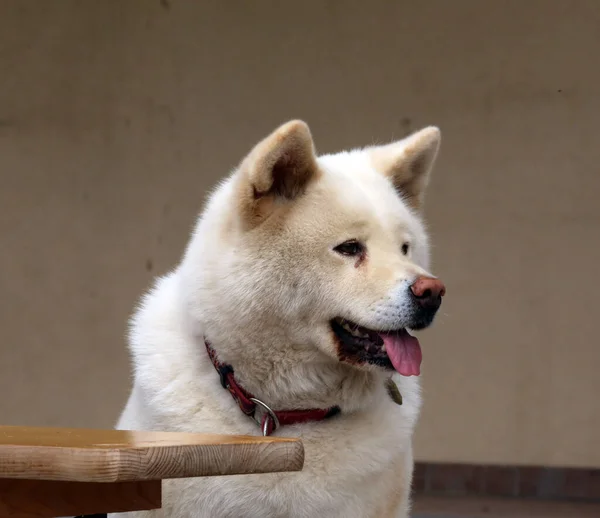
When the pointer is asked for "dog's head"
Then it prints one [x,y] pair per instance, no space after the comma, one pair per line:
[305,258]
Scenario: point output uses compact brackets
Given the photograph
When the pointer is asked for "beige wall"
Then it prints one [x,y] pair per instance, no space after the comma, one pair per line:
[115,117]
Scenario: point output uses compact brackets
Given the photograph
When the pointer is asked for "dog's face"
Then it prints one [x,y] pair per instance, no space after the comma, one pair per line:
[324,254]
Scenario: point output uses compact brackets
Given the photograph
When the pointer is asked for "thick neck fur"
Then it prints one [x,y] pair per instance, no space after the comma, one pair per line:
[287,375]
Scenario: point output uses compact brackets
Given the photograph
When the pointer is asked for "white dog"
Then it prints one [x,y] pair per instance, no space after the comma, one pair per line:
[299,283]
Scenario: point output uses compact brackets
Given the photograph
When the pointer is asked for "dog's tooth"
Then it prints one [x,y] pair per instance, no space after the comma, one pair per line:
[383,347]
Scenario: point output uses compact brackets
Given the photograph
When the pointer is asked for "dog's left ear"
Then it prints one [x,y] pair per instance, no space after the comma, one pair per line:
[408,163]
[276,171]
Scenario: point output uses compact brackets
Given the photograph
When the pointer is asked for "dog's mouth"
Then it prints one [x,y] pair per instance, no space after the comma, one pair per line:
[397,349]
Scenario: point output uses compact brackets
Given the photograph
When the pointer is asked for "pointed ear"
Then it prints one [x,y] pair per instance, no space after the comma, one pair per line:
[408,163]
[276,171]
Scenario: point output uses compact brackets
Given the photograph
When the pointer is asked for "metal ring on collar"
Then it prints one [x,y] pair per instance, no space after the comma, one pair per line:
[265,409]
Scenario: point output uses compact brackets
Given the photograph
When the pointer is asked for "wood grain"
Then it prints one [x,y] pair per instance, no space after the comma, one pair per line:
[82,455]
[49,499]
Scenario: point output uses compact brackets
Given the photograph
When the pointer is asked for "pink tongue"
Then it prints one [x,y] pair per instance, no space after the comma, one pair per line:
[404,352]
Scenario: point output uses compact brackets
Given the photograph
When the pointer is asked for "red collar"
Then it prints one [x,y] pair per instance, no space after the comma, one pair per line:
[268,420]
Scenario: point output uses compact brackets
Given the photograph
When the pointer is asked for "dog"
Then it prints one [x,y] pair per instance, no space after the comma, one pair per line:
[302,283]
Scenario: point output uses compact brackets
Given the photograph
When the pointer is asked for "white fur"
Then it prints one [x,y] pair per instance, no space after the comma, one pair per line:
[264,297]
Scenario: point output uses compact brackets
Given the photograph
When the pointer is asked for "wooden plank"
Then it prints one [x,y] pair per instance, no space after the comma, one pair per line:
[445,507]
[50,499]
[532,482]
[112,455]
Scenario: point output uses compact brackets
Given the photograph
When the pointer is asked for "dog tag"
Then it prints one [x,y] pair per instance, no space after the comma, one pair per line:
[393,391]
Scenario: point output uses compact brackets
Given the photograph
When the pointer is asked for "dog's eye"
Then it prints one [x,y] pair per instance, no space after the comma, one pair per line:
[405,248]
[350,248]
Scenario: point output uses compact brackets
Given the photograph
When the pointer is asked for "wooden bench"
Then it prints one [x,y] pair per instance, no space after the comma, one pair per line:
[54,472]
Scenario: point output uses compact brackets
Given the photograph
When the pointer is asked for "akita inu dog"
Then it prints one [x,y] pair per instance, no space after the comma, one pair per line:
[301,283]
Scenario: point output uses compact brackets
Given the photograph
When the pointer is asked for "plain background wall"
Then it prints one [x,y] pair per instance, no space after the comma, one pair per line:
[116,117]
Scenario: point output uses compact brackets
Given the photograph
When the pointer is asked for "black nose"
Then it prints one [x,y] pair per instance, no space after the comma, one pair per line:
[428,292]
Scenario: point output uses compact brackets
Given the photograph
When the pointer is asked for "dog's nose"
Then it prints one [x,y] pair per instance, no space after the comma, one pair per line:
[428,292]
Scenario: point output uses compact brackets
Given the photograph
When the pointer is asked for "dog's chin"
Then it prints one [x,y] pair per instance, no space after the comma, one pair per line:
[391,349]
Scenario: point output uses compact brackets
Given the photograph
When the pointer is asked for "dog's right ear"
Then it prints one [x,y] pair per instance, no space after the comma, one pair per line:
[276,171]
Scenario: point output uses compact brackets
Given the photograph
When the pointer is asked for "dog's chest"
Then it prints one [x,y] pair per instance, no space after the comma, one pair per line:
[353,465]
